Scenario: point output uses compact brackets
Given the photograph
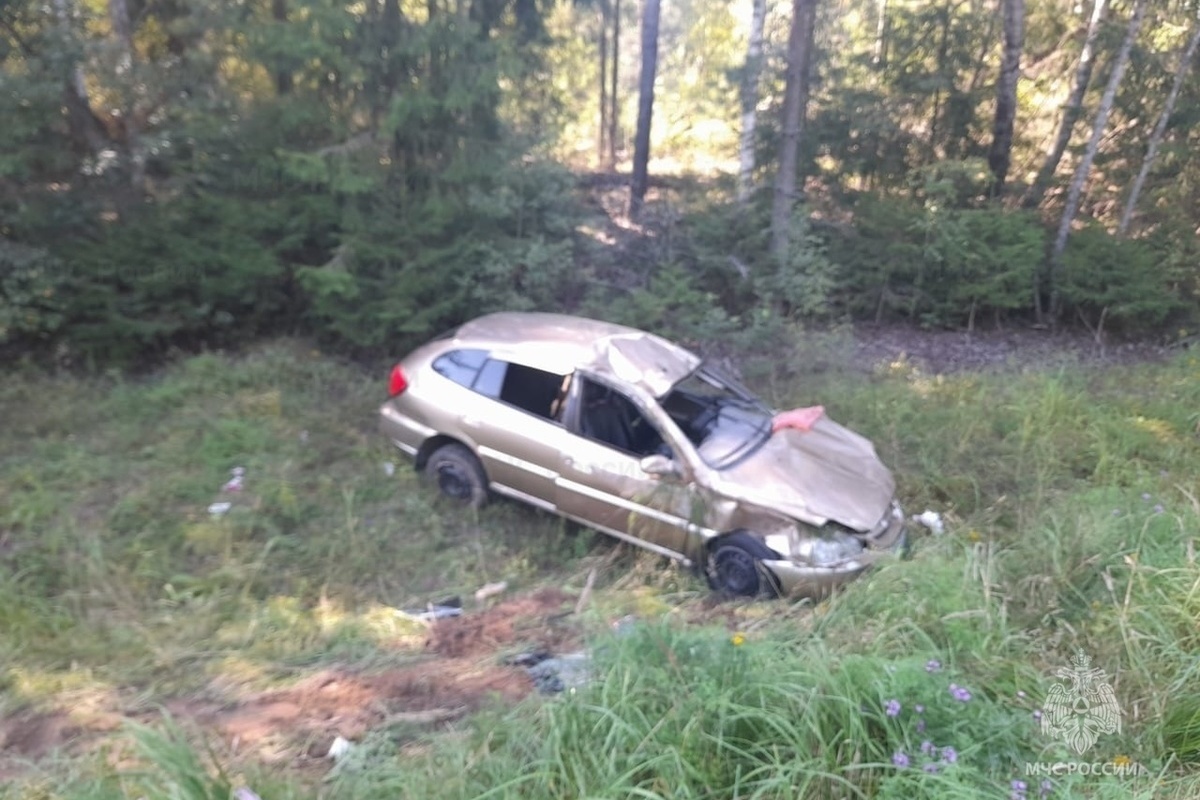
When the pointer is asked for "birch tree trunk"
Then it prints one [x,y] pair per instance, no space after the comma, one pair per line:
[1000,154]
[641,140]
[1072,110]
[795,101]
[1089,154]
[753,70]
[1160,129]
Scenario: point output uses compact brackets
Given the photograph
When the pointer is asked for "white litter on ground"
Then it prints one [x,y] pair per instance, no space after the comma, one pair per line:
[931,520]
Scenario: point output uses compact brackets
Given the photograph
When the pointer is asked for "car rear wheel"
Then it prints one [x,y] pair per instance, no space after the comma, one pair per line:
[458,474]
[733,565]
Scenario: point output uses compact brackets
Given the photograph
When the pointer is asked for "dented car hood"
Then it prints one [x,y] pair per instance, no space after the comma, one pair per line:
[826,473]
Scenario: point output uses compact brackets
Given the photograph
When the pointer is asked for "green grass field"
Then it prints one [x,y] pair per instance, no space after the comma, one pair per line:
[151,650]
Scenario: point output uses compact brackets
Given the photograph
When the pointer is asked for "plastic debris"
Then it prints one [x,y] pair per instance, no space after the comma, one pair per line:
[490,590]
[931,520]
[435,612]
[450,607]
[339,748]
[389,468]
[234,484]
[219,509]
[553,674]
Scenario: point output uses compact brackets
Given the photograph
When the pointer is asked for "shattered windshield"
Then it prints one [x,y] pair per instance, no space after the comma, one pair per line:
[723,420]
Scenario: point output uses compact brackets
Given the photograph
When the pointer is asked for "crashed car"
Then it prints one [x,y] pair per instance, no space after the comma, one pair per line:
[633,435]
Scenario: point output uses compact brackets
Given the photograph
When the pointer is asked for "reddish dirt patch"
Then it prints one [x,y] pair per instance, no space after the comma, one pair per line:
[33,734]
[299,723]
[526,620]
[30,735]
[460,673]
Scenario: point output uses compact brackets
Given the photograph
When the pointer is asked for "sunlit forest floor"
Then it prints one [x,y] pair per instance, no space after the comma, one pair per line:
[153,649]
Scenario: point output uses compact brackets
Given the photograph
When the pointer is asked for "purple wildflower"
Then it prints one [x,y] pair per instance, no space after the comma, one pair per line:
[949,754]
[1046,788]
[892,709]
[931,767]
[933,665]
[920,709]
[1037,714]
[1018,790]
[927,748]
[920,726]
[900,759]
[959,693]
[1158,508]
[1146,496]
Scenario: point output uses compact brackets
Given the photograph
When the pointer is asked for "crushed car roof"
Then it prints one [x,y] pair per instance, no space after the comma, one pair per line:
[562,344]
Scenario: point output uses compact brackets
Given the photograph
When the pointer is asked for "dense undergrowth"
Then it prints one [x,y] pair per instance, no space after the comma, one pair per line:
[1069,493]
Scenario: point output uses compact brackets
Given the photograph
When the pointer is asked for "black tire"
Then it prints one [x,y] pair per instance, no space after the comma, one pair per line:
[733,566]
[458,475]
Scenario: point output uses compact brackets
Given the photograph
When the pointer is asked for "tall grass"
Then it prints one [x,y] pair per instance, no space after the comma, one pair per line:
[1071,505]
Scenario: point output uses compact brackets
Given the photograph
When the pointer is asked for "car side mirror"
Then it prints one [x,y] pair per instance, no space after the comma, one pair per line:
[659,465]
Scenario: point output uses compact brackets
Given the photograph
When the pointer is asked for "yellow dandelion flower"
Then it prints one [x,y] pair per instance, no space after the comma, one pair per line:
[975,536]
[1122,760]
[738,639]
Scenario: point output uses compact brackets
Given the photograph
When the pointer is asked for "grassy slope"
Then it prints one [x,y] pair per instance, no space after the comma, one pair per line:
[1070,496]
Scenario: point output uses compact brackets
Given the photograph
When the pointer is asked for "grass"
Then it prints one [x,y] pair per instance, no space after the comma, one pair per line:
[1070,497]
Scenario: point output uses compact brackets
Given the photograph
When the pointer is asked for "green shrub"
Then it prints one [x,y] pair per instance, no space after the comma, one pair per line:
[31,282]
[1106,280]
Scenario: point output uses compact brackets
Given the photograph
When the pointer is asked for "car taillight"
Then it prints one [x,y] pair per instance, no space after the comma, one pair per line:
[397,383]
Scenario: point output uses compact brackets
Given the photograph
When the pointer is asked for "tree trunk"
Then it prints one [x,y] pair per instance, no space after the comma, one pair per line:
[85,127]
[613,116]
[1000,154]
[795,102]
[602,139]
[879,56]
[753,69]
[1072,110]
[122,28]
[279,13]
[641,141]
[1160,129]
[1089,154]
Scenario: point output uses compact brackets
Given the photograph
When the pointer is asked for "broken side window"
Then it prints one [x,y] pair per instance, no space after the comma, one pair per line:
[527,388]
[609,417]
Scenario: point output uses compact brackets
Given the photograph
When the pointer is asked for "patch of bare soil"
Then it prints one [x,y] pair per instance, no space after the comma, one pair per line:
[460,671]
[297,725]
[529,620]
[30,735]
[944,351]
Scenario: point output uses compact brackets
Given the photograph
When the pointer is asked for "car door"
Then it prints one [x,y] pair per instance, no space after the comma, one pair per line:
[601,481]
[511,414]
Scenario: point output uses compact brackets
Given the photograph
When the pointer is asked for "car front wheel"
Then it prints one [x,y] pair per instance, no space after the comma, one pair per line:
[733,565]
[458,474]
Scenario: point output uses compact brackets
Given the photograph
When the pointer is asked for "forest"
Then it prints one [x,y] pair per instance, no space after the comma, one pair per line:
[183,174]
